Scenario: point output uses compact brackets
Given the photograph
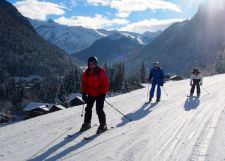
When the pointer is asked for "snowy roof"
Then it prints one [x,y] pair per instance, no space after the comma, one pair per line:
[73,96]
[30,78]
[60,107]
[43,106]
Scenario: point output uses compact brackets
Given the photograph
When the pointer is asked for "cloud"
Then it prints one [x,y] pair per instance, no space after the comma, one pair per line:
[149,25]
[36,9]
[96,22]
[99,2]
[126,7]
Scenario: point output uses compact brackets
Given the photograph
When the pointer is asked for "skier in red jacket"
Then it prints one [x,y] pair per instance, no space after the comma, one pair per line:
[95,85]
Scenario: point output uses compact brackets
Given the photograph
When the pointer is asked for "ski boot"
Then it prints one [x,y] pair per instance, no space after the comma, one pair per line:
[85,126]
[158,99]
[150,100]
[102,128]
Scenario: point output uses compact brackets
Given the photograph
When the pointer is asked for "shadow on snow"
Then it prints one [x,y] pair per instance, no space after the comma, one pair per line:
[139,114]
[191,103]
[52,150]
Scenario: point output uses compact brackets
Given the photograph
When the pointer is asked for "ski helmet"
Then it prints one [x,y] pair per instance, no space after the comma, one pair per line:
[195,69]
[156,64]
[92,59]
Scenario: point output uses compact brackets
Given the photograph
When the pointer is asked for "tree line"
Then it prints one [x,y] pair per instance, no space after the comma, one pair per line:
[54,89]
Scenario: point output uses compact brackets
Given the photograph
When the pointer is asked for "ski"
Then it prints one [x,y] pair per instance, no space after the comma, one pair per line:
[97,134]
[193,97]
[79,132]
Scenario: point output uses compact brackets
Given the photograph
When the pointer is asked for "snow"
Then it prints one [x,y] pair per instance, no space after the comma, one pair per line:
[74,95]
[176,129]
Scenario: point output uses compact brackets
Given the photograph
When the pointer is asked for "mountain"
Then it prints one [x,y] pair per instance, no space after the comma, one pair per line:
[74,39]
[114,47]
[220,61]
[23,51]
[70,38]
[191,43]
[176,129]
[148,37]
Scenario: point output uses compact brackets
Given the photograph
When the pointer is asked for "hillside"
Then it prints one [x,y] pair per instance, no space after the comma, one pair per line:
[177,128]
[185,45]
[114,47]
[23,51]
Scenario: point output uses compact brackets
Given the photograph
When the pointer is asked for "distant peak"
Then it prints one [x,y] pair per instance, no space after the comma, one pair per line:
[50,21]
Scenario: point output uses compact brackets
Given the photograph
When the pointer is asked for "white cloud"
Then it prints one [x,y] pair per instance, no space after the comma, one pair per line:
[99,2]
[126,7]
[149,25]
[36,9]
[96,22]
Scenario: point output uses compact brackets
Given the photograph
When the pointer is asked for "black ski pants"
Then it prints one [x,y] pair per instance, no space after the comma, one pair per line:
[195,83]
[99,109]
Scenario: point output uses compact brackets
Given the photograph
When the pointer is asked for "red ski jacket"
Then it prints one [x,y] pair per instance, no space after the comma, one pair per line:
[95,83]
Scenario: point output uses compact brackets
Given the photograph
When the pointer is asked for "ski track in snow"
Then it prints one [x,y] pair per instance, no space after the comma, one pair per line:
[176,129]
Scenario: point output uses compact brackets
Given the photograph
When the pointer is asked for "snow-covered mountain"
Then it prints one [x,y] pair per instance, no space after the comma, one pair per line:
[176,129]
[115,47]
[71,39]
[76,38]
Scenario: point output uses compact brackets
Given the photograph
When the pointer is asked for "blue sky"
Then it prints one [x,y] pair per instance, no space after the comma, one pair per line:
[127,15]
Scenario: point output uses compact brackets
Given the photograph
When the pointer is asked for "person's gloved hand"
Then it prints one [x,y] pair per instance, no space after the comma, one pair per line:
[190,84]
[102,96]
[161,84]
[84,97]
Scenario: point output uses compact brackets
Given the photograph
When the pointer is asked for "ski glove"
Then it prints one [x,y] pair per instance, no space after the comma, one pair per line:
[161,84]
[102,96]
[84,97]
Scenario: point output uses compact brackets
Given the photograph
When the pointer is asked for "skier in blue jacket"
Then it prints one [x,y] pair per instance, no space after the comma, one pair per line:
[156,77]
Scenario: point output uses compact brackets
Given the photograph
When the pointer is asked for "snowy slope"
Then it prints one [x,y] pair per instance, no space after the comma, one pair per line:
[176,129]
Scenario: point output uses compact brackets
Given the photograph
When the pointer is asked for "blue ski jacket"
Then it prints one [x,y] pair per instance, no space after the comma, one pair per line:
[157,76]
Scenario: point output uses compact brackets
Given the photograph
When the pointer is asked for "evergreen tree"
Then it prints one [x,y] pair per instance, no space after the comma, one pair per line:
[143,72]
[116,74]
[72,81]
[61,95]
[14,93]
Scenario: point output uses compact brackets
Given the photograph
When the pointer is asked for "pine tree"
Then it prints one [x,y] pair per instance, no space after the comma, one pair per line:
[143,73]
[61,95]
[72,81]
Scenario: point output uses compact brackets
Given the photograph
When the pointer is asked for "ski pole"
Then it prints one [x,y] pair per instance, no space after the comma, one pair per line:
[148,91]
[82,111]
[118,111]
[205,90]
[165,90]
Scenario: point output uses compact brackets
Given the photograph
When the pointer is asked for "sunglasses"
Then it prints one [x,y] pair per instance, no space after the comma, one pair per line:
[92,63]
